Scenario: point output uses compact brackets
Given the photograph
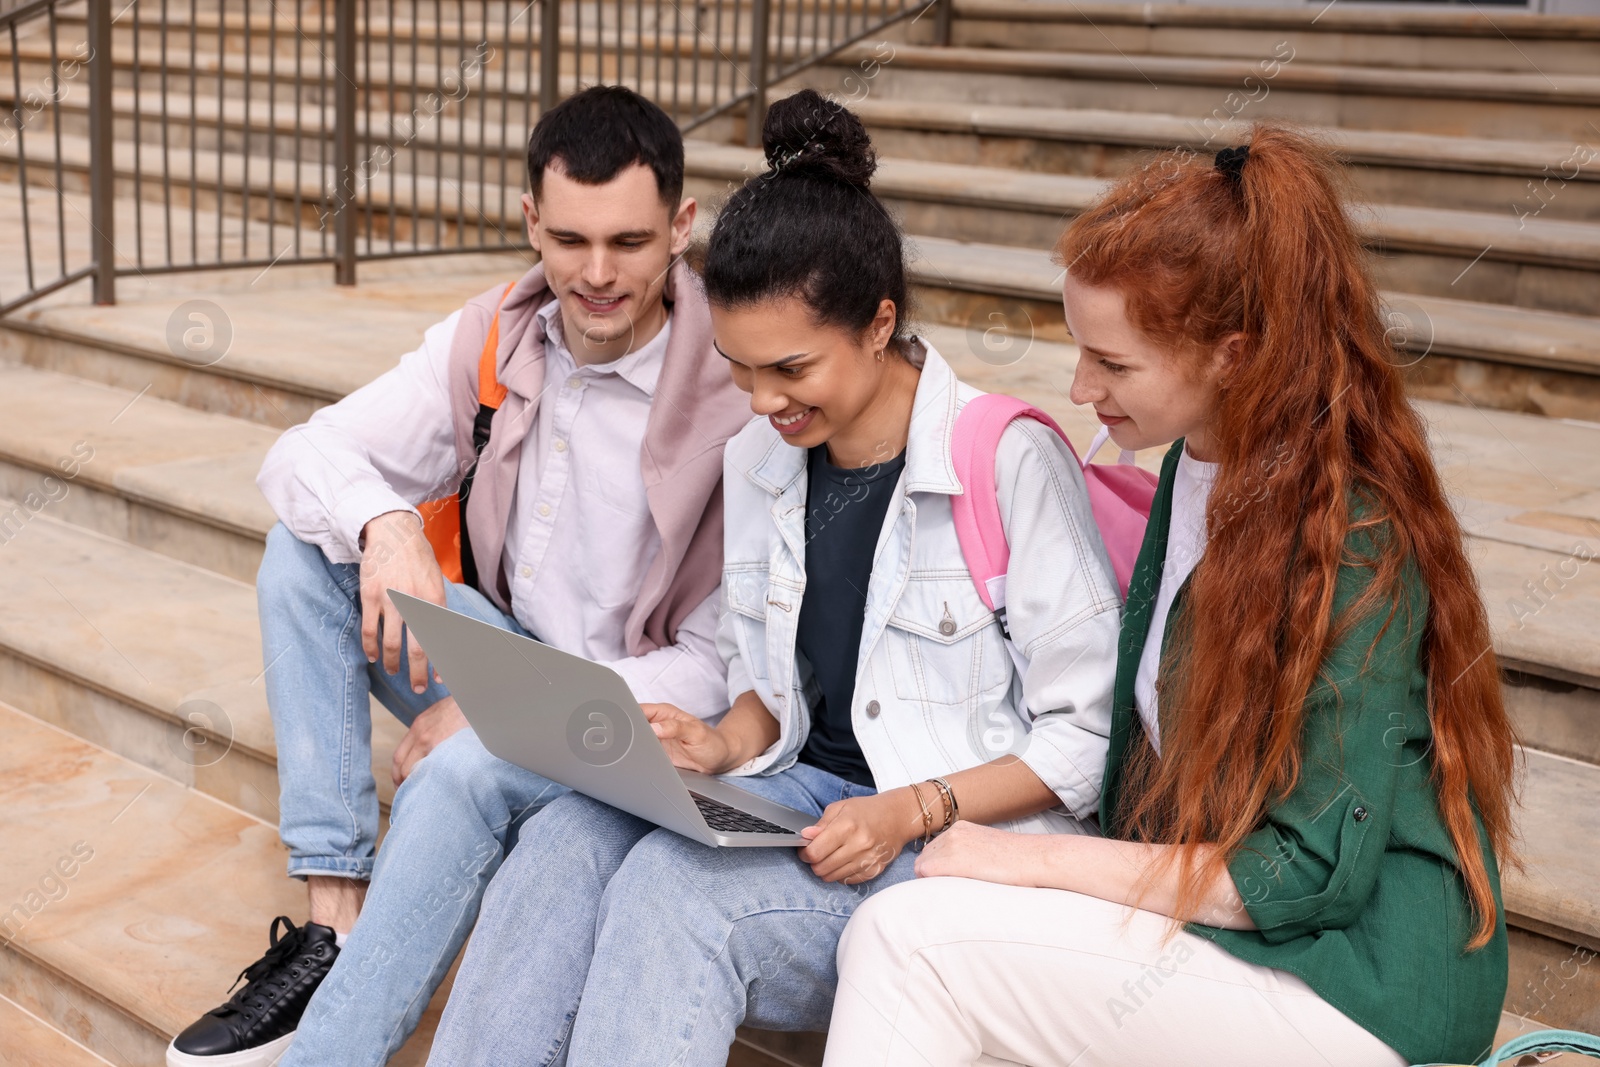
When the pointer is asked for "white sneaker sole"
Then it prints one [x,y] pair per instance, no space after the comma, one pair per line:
[261,1056]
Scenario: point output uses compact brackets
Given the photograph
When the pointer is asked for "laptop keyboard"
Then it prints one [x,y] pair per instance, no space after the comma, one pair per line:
[727,819]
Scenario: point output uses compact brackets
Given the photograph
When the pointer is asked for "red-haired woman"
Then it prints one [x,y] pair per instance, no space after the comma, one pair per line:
[1310,772]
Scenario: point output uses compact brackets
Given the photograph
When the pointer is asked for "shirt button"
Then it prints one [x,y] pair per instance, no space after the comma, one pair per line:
[574,381]
[1360,814]
[544,509]
[526,572]
[560,446]
[872,709]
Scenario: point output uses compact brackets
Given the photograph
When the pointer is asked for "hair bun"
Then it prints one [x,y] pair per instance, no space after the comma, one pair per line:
[811,136]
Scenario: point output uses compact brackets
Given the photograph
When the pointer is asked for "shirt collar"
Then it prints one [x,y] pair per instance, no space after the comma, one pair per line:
[640,368]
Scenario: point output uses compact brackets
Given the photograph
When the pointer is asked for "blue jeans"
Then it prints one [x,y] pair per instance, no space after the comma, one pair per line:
[668,945]
[452,819]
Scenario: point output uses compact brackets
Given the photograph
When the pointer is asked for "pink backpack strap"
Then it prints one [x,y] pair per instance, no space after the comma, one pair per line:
[1120,496]
[973,446]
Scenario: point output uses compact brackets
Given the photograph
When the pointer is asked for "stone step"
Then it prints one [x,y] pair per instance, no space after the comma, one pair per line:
[1413,38]
[1514,359]
[1528,179]
[170,893]
[154,658]
[1536,179]
[1488,257]
[283,340]
[147,471]
[1513,104]
[1463,102]
[1465,351]
[1510,41]
[1493,258]
[1530,502]
[28,1041]
[1551,905]
[1484,354]
[438,84]
[167,477]
[379,9]
[269,31]
[1559,826]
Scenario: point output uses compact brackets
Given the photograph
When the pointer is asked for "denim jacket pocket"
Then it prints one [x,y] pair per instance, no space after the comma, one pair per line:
[744,592]
[945,647]
[744,586]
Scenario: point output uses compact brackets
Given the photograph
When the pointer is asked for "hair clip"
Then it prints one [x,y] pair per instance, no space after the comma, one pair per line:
[1230,161]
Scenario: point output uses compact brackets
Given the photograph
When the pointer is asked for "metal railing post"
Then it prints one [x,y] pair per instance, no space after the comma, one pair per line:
[942,18]
[344,142]
[549,54]
[102,166]
[758,73]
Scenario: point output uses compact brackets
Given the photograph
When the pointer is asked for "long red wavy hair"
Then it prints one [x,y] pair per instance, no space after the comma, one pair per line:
[1316,404]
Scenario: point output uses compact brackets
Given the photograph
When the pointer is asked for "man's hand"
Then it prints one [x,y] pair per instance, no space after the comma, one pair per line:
[396,556]
[857,838]
[428,731]
[969,850]
[692,744]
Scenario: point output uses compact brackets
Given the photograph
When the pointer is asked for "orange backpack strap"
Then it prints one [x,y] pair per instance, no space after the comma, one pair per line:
[491,394]
[444,521]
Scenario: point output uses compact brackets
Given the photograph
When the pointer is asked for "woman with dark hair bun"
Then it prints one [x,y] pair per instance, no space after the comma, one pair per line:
[869,685]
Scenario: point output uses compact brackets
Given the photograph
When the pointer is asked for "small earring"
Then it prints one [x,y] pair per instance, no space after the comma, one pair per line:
[880,355]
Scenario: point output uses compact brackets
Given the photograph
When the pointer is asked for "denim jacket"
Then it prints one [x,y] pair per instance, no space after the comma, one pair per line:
[936,689]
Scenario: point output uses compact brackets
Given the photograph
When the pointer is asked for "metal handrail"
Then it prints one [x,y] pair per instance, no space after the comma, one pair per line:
[243,137]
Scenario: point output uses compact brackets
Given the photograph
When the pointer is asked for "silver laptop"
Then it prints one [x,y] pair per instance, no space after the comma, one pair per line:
[576,722]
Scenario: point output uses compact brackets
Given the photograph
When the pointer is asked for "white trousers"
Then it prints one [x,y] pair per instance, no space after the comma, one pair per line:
[946,971]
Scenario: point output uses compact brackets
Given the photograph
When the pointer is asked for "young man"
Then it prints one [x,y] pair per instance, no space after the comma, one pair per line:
[594,522]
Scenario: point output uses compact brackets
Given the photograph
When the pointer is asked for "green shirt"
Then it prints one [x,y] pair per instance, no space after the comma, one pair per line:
[1351,880]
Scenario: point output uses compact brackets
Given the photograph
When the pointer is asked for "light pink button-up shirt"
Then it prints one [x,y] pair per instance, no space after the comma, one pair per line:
[580,536]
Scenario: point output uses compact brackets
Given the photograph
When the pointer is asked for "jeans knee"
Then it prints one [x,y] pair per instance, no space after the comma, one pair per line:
[458,767]
[663,854]
[572,820]
[661,866]
[290,568]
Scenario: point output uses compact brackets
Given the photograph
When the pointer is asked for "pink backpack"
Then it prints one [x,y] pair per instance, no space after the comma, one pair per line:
[1119,495]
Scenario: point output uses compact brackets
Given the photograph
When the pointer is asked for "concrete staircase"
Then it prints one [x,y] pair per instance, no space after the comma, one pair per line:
[1475,140]
[137,729]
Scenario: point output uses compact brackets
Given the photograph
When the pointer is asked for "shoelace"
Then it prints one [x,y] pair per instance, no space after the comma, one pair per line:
[286,945]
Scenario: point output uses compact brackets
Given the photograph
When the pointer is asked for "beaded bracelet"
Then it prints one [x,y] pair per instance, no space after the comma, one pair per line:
[927,817]
[951,811]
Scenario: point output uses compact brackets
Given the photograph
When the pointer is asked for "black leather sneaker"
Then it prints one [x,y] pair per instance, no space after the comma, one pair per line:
[254,1028]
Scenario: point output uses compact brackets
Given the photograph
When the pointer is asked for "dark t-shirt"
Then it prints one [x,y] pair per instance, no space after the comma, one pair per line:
[845,509]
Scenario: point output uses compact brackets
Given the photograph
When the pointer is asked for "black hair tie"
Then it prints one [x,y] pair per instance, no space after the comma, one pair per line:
[1230,161]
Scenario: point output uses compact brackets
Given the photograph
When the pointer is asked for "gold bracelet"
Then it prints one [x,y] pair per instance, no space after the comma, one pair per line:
[951,811]
[945,804]
[927,818]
